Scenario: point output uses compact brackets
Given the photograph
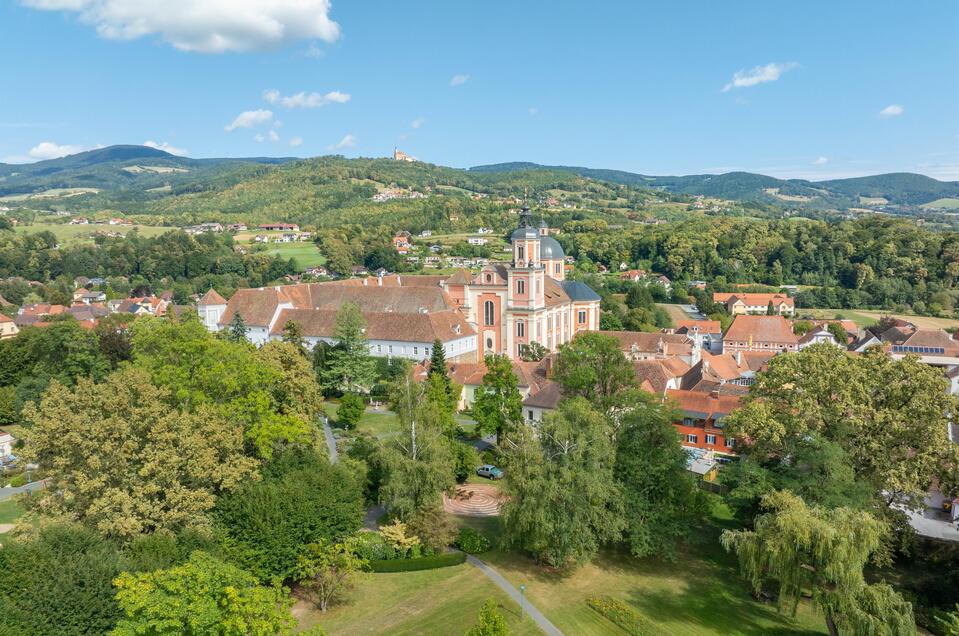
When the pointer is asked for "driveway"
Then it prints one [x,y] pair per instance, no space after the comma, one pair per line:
[6,493]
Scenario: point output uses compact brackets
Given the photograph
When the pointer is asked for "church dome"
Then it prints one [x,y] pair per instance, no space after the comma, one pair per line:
[550,249]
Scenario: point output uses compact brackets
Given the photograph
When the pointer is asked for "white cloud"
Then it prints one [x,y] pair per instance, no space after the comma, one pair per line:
[249,118]
[50,150]
[205,26]
[459,80]
[274,137]
[296,141]
[258,138]
[820,161]
[758,75]
[313,51]
[533,110]
[348,141]
[892,110]
[418,122]
[166,147]
[305,100]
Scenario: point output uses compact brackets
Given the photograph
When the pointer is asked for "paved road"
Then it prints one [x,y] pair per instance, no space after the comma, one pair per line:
[541,621]
[693,312]
[330,440]
[6,493]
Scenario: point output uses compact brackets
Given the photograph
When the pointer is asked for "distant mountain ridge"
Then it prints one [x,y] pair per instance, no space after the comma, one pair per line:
[113,167]
[901,188]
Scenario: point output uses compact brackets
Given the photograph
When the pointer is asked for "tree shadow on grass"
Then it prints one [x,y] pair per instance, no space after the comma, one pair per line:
[726,608]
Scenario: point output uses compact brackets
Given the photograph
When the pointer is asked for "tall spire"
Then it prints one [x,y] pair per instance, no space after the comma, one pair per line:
[525,218]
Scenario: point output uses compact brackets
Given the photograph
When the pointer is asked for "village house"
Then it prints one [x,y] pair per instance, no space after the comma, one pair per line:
[7,441]
[702,416]
[745,303]
[760,333]
[634,275]
[401,242]
[279,227]
[638,345]
[707,333]
[88,297]
[8,328]
[477,240]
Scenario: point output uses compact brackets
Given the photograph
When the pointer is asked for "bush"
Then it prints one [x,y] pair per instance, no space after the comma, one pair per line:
[472,541]
[350,411]
[423,563]
[18,480]
[621,614]
[465,460]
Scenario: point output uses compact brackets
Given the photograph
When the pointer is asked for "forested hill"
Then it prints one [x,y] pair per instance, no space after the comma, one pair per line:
[898,188]
[117,168]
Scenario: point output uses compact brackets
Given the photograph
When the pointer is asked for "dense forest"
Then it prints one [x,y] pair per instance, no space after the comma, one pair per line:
[872,262]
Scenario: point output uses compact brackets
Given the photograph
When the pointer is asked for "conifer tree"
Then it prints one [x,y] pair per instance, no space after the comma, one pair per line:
[236,330]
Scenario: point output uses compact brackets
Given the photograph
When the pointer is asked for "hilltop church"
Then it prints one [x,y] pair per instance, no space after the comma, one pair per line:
[498,310]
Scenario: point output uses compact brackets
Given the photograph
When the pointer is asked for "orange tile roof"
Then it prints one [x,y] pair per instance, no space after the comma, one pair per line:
[704,326]
[761,329]
[712,405]
[403,327]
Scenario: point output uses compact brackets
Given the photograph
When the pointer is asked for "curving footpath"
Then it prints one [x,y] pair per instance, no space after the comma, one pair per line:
[330,440]
[541,621]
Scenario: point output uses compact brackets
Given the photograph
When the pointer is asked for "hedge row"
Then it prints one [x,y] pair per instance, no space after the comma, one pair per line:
[423,563]
[620,613]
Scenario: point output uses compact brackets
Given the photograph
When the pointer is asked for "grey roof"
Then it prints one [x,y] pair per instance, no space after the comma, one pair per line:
[579,292]
[525,233]
[550,249]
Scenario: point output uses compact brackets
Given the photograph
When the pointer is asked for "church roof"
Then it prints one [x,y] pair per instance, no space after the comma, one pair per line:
[579,292]
[550,249]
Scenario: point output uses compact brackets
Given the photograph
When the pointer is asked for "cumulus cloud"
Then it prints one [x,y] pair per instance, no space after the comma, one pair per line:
[164,146]
[758,75]
[274,137]
[205,26]
[296,141]
[418,122]
[305,100]
[459,80]
[892,110]
[258,138]
[348,141]
[50,150]
[820,161]
[249,119]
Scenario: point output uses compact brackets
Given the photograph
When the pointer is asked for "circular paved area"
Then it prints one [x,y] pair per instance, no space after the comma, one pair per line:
[474,500]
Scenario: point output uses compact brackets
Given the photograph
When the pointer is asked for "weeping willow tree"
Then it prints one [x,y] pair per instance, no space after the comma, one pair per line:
[821,551]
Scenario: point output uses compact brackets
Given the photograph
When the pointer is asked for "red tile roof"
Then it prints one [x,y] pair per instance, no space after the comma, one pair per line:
[775,329]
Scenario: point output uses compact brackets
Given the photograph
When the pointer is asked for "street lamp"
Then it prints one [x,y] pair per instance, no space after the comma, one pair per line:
[522,602]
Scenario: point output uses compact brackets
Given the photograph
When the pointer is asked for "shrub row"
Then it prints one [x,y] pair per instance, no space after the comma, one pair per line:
[620,613]
[472,541]
[423,563]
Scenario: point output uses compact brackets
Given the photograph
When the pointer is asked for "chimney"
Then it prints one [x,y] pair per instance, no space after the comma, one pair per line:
[714,394]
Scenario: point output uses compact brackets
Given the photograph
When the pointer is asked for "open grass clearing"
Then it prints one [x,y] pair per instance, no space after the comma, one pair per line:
[444,601]
[700,594]
[10,511]
[306,254]
[676,312]
[946,203]
[72,234]
[377,422]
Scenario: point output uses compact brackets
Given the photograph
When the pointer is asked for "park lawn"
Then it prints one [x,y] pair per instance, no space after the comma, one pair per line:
[444,601]
[379,423]
[10,511]
[306,254]
[700,594]
[72,234]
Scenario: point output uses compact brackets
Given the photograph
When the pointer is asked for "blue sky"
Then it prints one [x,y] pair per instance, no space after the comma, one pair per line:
[811,89]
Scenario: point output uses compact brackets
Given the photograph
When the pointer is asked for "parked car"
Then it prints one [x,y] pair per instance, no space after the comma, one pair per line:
[489,471]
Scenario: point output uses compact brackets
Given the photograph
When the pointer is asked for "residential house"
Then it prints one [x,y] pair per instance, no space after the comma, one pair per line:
[739,303]
[7,442]
[401,242]
[279,227]
[8,328]
[760,333]
[707,333]
[817,335]
[477,240]
[639,345]
[728,373]
[634,275]
[88,297]
[702,414]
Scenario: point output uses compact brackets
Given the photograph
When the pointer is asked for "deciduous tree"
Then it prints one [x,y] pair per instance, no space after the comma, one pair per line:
[491,622]
[327,571]
[498,405]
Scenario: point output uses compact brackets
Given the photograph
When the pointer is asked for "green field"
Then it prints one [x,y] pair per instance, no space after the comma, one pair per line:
[440,602]
[71,234]
[700,594]
[948,203]
[10,511]
[381,423]
[306,254]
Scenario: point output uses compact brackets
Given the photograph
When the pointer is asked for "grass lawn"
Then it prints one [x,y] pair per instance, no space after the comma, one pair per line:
[381,423]
[445,601]
[306,254]
[71,234]
[940,204]
[10,511]
[700,594]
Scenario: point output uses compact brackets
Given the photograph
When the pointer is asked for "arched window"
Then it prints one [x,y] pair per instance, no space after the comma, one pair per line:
[489,278]
[521,286]
[489,344]
[520,253]
[488,313]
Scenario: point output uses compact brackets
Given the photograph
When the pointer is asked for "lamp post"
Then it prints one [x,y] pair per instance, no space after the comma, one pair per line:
[522,602]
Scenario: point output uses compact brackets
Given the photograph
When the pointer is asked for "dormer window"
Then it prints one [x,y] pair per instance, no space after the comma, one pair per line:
[489,278]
